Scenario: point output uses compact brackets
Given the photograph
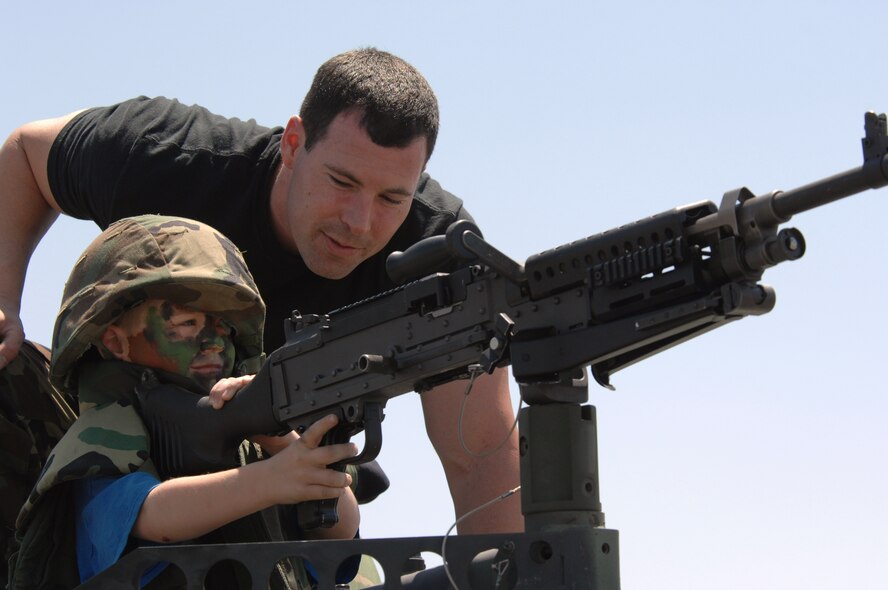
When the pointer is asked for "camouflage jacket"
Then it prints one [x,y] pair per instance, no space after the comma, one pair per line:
[34,416]
[110,439]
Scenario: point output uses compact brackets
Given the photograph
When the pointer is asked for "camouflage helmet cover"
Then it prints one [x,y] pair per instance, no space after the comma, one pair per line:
[154,257]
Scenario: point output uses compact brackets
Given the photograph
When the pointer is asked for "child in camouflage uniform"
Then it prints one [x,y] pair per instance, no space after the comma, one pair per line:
[158,302]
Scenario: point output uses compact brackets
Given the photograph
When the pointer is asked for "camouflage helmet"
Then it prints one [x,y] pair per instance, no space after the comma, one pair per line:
[179,260]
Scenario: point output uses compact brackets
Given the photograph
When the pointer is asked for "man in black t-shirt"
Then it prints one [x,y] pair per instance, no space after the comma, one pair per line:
[157,154]
[316,205]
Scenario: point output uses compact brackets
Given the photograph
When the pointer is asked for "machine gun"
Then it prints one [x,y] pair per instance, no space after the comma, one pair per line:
[601,303]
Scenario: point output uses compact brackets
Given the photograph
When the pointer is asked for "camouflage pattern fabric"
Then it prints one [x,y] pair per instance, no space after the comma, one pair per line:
[33,417]
[155,257]
[108,438]
[178,260]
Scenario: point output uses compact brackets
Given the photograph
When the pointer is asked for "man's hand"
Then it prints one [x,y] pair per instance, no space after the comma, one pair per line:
[12,334]
[29,209]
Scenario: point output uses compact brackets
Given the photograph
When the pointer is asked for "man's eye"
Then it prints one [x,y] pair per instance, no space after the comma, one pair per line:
[392,200]
[339,182]
[185,324]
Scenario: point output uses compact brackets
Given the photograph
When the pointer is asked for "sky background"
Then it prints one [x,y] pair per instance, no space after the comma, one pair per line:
[753,457]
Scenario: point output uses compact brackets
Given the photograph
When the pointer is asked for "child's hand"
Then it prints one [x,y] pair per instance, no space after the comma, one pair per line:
[224,389]
[274,444]
[299,472]
[183,508]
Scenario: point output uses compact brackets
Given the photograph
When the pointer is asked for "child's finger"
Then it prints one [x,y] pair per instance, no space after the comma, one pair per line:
[332,453]
[315,433]
[321,492]
[330,478]
[225,389]
[274,444]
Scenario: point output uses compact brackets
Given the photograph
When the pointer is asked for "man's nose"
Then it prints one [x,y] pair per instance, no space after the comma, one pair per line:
[357,213]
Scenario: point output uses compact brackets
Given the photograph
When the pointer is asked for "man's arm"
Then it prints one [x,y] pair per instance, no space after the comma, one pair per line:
[29,209]
[475,480]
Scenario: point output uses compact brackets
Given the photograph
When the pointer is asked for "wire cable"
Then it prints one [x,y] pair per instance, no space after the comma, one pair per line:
[474,372]
[499,498]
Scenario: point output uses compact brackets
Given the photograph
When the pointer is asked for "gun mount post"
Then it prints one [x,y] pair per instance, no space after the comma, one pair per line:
[558,445]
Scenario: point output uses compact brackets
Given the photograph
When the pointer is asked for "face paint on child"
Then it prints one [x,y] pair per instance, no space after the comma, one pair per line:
[186,342]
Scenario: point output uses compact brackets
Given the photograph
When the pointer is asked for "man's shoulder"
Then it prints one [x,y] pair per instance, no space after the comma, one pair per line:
[433,210]
[431,196]
[168,120]
[158,155]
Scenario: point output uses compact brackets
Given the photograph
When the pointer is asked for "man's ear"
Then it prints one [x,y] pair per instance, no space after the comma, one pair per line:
[292,139]
[116,342]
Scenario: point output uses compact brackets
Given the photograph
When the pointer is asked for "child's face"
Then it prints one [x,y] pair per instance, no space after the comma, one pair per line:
[190,343]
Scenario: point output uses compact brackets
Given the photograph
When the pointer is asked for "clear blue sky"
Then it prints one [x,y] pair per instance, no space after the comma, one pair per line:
[754,457]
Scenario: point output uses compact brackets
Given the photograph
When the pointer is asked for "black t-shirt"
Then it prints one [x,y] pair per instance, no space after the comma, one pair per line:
[160,156]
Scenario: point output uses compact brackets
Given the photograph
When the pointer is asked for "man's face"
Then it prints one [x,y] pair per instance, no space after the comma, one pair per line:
[182,341]
[347,196]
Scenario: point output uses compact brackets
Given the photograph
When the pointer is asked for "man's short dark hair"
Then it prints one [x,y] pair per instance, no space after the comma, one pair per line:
[397,102]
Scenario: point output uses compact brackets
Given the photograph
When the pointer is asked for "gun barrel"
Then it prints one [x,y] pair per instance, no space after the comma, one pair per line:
[873,174]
